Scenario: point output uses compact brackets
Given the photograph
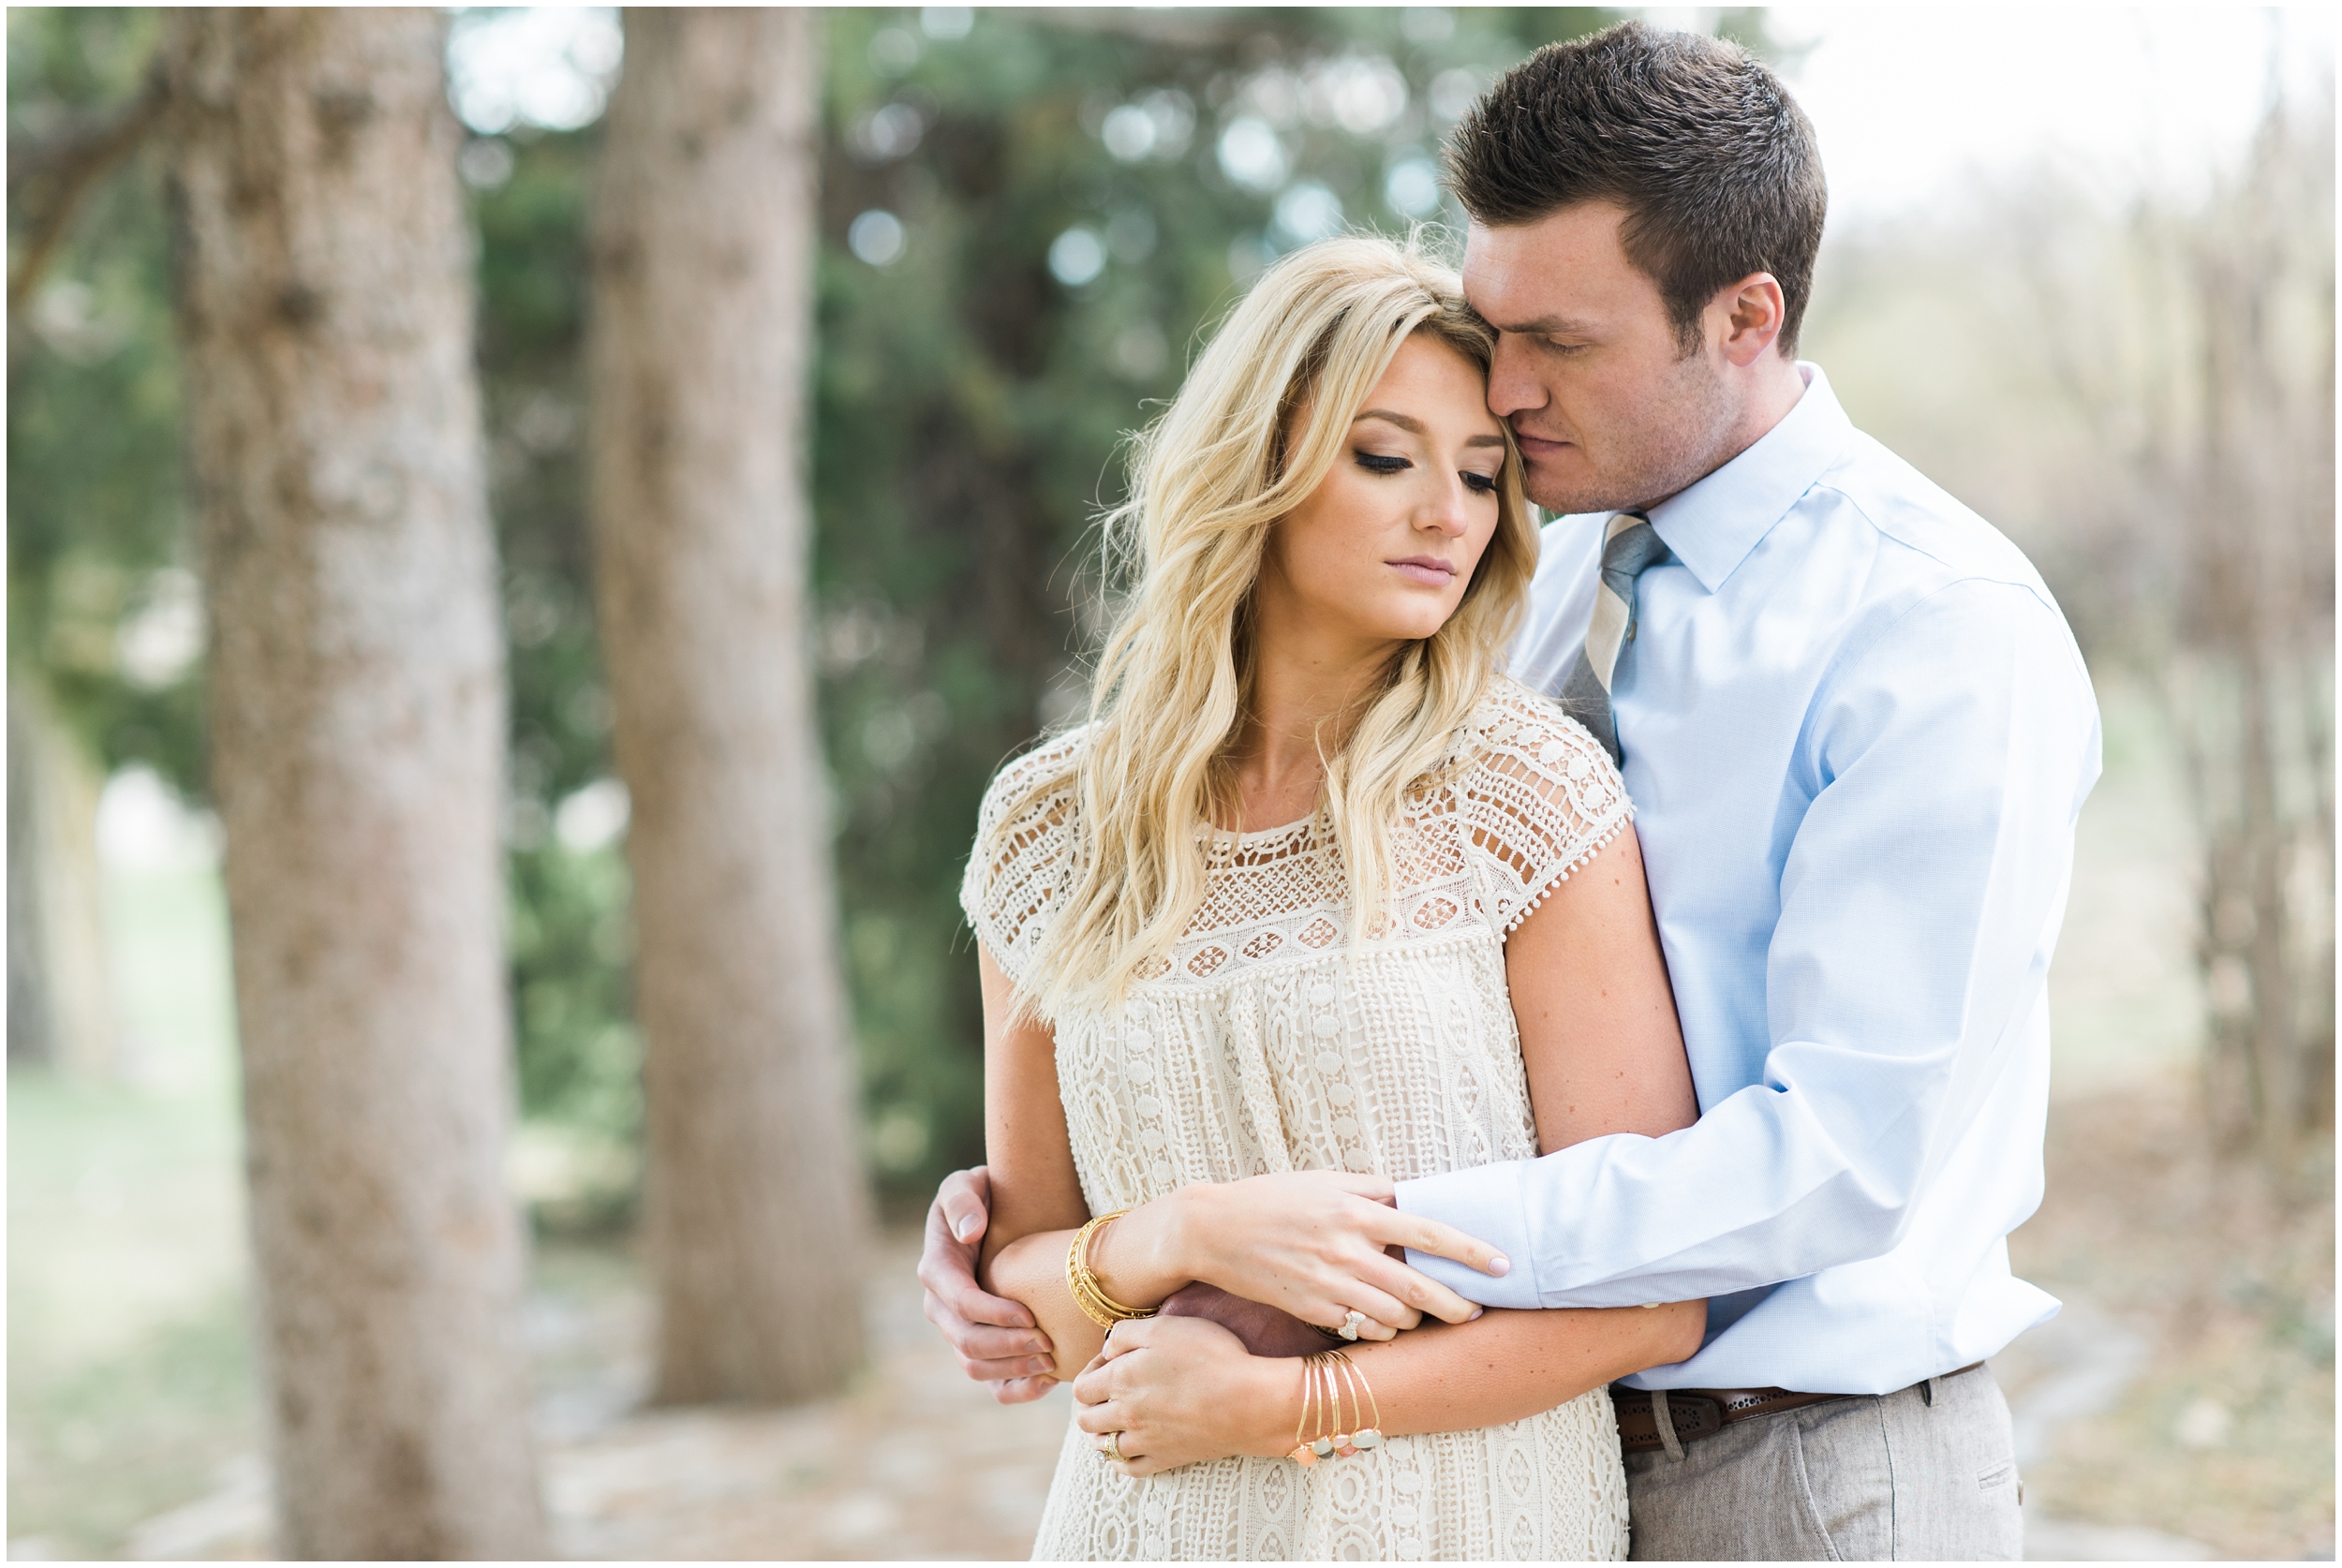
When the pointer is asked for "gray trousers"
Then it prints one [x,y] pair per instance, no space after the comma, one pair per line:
[1890,1478]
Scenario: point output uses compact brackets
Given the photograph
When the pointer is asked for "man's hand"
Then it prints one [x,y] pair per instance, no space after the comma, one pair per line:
[997,1340]
[1265,1330]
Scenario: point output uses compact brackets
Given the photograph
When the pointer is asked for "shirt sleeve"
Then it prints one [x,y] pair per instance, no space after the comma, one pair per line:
[1017,871]
[1920,900]
[1542,798]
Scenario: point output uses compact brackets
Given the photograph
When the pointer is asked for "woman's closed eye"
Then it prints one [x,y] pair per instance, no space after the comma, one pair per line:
[1385,462]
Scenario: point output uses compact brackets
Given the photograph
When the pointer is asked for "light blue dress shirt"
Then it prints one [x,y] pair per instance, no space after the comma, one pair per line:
[1857,734]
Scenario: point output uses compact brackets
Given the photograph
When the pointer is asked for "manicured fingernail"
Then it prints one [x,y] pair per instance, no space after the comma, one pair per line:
[1477,1312]
[1037,1366]
[965,1227]
[1499,1264]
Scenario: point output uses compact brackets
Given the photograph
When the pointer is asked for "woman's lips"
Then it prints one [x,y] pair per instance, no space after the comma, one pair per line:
[1425,569]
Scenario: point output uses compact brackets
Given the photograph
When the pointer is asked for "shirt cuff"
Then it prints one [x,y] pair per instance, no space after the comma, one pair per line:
[1483,1202]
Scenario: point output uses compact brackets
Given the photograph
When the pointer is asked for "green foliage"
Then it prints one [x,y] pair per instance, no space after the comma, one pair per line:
[101,605]
[579,1055]
[969,398]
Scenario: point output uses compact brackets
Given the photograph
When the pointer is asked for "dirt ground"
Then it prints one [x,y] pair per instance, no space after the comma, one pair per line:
[2182,1407]
[913,1461]
[2197,1365]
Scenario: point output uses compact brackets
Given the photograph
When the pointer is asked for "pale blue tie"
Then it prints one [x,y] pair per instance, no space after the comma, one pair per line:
[1630,546]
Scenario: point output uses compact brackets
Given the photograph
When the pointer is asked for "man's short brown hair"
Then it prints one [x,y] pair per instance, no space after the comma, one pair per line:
[1713,161]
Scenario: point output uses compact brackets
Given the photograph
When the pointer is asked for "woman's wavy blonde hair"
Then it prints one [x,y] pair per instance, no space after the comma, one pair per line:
[1260,423]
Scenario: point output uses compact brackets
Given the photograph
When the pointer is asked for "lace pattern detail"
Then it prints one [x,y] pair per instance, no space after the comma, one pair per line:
[1013,882]
[1546,1489]
[1530,797]
[1271,1043]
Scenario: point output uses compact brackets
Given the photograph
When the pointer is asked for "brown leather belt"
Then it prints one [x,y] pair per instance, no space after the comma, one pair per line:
[1698,1412]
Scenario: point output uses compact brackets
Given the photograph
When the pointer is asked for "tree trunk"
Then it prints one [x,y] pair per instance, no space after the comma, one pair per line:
[60,1013]
[357,679]
[702,255]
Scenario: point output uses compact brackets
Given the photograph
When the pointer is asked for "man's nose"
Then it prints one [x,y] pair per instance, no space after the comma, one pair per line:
[1513,385]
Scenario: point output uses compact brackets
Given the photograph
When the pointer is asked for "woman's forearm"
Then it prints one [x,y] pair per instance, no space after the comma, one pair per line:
[1138,1261]
[1310,1245]
[1031,1270]
[1446,1378]
[1186,1391]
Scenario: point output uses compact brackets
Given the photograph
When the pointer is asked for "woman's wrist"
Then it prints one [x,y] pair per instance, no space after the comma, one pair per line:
[1141,1258]
[1271,1400]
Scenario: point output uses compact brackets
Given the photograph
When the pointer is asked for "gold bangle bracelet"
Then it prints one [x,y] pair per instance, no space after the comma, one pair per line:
[1364,1437]
[1327,1372]
[1327,1377]
[1082,1280]
[1313,1368]
[1303,1455]
[1338,1366]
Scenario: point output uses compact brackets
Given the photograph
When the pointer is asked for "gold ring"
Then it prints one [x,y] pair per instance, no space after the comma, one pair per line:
[1351,1325]
[1114,1447]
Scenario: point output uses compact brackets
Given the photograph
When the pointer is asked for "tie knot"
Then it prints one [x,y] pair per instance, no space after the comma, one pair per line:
[1631,547]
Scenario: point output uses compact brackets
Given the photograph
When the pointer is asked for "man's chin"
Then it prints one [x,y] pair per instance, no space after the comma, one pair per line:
[1560,483]
[1567,494]
[1565,497]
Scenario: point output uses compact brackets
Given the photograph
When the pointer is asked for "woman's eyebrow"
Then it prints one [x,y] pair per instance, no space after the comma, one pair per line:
[1409,422]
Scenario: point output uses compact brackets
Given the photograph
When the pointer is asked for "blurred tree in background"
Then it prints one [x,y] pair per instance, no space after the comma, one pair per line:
[1027,220]
[700,358]
[2201,504]
[325,291]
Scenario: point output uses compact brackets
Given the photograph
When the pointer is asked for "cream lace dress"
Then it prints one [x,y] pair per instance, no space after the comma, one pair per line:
[1271,1044]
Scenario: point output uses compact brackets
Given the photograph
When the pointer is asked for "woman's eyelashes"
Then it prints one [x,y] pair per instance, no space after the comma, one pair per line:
[1385,462]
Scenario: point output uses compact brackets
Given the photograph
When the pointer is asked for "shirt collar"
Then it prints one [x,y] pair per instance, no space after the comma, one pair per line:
[1714,524]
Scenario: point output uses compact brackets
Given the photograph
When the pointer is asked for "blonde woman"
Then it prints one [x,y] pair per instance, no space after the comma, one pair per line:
[1316,900]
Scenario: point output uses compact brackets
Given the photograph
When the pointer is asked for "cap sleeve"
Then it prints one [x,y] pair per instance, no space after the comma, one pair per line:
[1540,799]
[1025,845]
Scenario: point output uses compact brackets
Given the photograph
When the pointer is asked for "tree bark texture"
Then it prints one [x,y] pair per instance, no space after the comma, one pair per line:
[700,343]
[357,676]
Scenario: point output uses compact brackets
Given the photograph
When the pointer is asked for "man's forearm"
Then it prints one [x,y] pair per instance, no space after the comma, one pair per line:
[1763,1189]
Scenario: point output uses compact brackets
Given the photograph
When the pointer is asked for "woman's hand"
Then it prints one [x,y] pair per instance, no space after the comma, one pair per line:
[1182,1390]
[1311,1243]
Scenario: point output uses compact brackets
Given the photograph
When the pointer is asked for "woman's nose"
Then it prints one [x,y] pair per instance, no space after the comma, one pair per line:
[1451,515]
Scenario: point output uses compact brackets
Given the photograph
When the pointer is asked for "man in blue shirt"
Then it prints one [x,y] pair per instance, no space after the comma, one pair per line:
[1857,734]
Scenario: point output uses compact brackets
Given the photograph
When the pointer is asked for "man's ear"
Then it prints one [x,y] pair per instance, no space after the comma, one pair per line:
[1752,312]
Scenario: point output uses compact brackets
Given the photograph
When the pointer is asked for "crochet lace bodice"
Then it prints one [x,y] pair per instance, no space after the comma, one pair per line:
[1270,1041]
